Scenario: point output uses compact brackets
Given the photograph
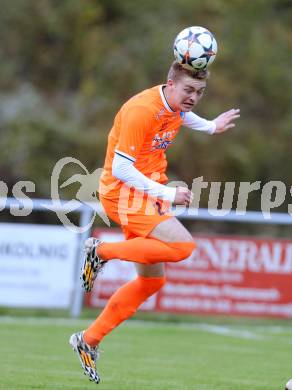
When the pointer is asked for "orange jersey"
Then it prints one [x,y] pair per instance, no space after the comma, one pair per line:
[143,129]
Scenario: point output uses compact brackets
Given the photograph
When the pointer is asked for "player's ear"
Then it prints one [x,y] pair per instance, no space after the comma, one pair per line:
[170,82]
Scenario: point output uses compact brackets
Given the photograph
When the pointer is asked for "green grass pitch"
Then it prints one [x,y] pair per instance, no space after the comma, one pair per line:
[35,354]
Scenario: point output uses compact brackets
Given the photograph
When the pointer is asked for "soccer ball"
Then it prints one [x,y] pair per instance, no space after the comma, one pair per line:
[195,47]
[289,385]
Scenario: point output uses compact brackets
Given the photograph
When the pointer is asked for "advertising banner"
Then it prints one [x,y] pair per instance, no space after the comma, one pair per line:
[37,265]
[225,275]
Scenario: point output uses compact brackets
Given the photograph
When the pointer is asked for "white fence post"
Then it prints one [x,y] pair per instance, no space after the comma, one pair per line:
[78,294]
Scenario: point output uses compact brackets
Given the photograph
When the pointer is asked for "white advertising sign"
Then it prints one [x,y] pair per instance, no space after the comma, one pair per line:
[37,265]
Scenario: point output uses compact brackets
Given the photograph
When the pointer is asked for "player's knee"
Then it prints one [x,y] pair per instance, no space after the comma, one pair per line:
[186,249]
[182,250]
[153,284]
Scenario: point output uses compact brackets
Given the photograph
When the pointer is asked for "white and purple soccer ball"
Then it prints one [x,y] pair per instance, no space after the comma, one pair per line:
[195,47]
[289,385]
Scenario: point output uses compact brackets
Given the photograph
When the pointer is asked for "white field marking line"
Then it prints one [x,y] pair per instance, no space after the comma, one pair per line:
[216,329]
[230,331]
[258,333]
[275,329]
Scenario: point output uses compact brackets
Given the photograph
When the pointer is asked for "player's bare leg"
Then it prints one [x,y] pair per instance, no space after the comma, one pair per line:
[150,271]
[171,230]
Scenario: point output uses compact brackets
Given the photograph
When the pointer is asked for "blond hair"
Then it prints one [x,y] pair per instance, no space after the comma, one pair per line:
[177,71]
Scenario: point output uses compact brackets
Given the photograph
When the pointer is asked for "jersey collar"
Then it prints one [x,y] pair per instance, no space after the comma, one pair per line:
[166,105]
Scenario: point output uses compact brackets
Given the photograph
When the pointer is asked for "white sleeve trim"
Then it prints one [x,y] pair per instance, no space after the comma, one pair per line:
[124,170]
[195,122]
[125,155]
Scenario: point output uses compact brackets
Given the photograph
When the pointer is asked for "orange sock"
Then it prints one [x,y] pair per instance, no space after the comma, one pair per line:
[145,250]
[122,304]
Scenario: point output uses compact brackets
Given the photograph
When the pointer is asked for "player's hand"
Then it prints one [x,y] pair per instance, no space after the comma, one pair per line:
[225,120]
[183,196]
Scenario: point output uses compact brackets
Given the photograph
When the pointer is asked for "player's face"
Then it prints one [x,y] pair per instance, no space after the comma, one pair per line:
[186,93]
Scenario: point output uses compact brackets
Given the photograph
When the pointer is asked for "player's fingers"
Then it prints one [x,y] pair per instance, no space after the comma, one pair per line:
[229,126]
[187,197]
[229,119]
[183,190]
[189,193]
[233,115]
[232,111]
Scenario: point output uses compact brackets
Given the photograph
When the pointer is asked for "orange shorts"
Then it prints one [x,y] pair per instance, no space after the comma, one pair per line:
[137,214]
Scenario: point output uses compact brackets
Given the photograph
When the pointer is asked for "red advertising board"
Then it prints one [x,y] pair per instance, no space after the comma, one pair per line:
[225,275]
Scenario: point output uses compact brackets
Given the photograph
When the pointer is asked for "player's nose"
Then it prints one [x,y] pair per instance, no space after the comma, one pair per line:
[193,99]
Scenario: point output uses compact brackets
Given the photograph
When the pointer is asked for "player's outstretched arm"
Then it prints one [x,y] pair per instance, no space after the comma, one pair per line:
[226,120]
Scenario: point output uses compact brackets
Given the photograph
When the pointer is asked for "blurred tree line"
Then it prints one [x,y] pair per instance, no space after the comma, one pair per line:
[67,66]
